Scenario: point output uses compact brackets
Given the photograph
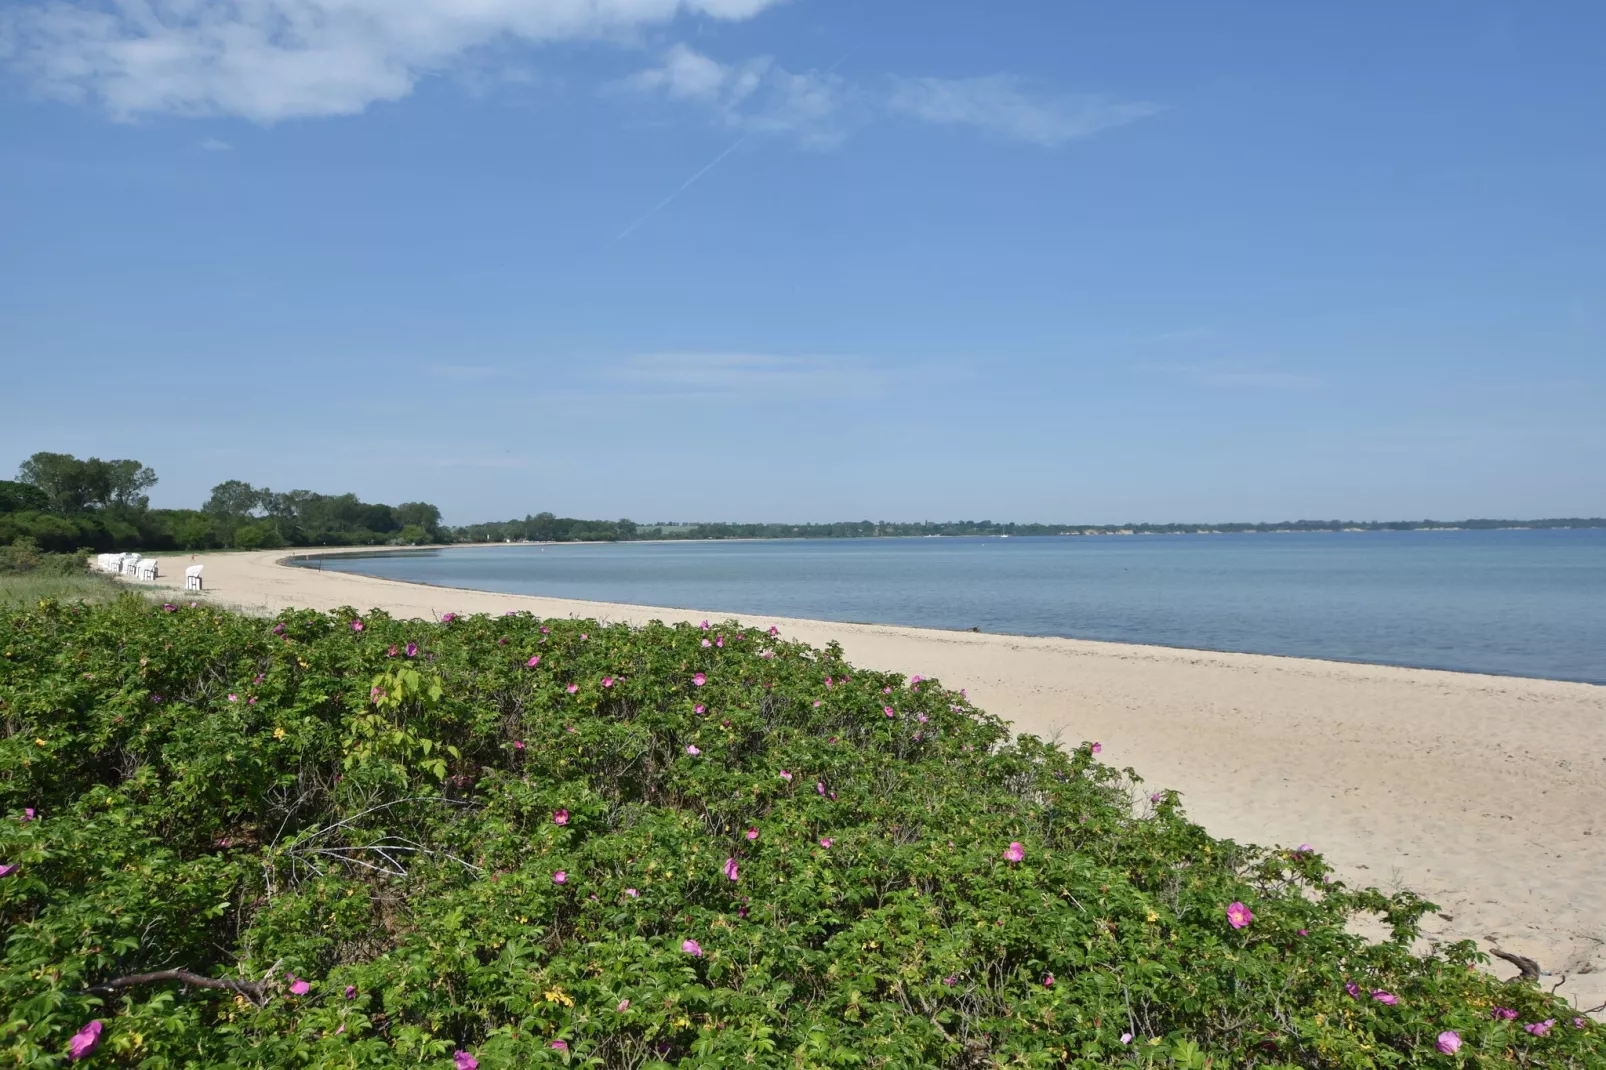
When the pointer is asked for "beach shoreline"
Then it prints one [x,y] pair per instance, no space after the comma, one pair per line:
[1486,794]
[368,551]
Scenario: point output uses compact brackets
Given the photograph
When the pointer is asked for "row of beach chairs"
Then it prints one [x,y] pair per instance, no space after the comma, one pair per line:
[144,568]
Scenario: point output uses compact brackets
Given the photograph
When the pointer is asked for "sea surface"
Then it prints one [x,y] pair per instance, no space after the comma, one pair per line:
[1522,603]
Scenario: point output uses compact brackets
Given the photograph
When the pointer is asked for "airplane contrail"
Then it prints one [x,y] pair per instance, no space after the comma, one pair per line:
[682,188]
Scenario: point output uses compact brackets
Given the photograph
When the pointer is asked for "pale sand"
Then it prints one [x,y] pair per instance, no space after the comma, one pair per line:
[1485,794]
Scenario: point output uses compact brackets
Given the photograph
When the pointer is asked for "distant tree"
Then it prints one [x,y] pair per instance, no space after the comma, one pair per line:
[61,477]
[413,535]
[257,535]
[379,518]
[22,498]
[419,514]
[235,499]
[121,484]
[73,486]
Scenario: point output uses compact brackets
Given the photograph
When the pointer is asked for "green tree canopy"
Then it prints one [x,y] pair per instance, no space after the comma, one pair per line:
[71,485]
[21,498]
[236,499]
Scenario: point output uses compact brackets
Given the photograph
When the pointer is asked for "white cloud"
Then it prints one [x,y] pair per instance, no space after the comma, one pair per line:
[1234,375]
[1262,380]
[213,144]
[1008,106]
[755,96]
[820,107]
[467,373]
[269,60]
[751,374]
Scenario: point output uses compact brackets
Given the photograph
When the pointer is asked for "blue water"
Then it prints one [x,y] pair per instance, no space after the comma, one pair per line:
[1524,603]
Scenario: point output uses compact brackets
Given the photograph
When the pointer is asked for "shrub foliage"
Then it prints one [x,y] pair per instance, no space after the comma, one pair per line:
[568,843]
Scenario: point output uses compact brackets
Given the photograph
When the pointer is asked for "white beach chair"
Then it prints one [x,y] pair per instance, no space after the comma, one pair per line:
[192,578]
[147,570]
[103,562]
[130,565]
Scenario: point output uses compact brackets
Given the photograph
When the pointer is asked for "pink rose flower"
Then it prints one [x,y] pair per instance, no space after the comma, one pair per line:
[1239,915]
[84,1041]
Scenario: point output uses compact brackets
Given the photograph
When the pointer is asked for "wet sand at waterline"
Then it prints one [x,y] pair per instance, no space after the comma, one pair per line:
[1486,794]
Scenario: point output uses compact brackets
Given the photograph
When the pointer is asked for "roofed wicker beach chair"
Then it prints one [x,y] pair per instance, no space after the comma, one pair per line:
[147,569]
[192,578]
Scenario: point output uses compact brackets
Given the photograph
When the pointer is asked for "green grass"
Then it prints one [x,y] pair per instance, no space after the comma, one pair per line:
[27,589]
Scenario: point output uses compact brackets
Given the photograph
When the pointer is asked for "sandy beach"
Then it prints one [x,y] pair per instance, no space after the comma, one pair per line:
[1485,794]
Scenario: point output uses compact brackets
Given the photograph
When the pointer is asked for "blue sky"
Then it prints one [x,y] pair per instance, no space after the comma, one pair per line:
[1033,260]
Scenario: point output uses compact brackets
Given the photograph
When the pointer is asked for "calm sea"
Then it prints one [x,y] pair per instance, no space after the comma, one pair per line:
[1524,603]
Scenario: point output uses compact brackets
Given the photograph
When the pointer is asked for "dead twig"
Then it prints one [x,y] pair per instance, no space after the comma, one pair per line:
[1530,968]
[255,991]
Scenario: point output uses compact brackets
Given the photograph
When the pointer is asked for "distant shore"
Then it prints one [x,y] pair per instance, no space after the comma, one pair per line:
[1486,794]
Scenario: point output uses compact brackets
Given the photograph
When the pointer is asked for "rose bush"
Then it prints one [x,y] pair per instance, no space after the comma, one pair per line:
[505,841]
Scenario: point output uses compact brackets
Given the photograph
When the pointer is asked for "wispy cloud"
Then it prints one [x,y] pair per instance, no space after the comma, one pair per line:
[269,60]
[467,373]
[1175,334]
[212,144]
[747,375]
[821,108]
[505,461]
[755,96]
[1261,380]
[1009,107]
[1231,375]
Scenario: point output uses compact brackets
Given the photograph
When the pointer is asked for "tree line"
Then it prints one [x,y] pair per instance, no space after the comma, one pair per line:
[63,504]
[60,503]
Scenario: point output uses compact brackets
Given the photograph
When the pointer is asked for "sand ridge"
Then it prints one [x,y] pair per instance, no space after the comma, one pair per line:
[1485,794]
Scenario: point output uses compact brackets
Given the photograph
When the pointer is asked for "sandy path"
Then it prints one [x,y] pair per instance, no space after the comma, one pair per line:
[1485,794]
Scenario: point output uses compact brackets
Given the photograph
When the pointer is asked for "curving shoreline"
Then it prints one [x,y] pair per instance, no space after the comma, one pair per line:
[1486,794]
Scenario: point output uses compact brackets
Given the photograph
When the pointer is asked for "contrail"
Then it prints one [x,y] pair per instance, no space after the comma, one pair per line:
[684,186]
